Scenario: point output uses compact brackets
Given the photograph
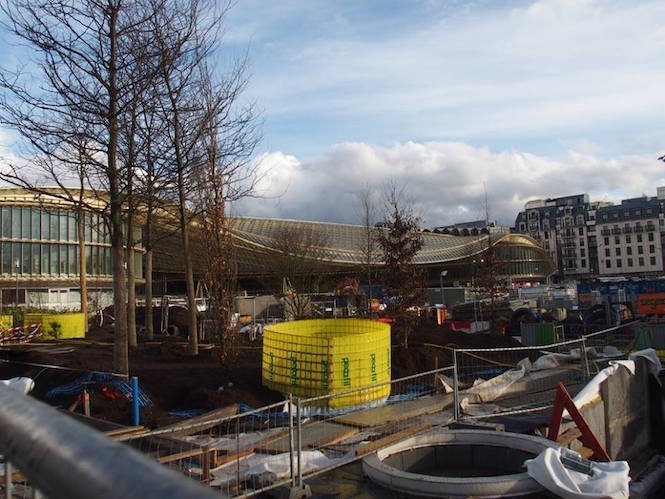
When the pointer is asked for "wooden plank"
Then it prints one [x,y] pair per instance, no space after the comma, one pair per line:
[124,430]
[200,423]
[397,412]
[316,434]
[228,458]
[179,456]
[567,437]
[390,439]
[129,436]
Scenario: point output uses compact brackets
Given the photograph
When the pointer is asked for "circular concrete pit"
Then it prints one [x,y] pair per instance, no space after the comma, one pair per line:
[458,463]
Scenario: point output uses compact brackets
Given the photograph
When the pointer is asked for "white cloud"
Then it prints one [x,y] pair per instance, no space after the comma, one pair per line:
[445,179]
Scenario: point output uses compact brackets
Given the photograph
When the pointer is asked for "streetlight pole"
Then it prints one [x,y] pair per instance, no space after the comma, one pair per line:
[443,274]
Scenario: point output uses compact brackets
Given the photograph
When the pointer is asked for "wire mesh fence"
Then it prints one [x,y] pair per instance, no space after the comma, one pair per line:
[503,381]
[491,381]
[281,444]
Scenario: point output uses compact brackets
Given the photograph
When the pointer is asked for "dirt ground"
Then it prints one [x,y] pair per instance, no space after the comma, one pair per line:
[175,381]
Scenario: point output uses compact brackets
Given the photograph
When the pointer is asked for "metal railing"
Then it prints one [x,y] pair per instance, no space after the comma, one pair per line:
[48,453]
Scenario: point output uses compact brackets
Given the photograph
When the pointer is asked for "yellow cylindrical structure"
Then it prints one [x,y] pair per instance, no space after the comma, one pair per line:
[309,358]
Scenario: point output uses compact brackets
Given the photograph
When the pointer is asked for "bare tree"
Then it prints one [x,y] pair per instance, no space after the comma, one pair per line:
[369,247]
[400,240]
[227,174]
[298,267]
[86,66]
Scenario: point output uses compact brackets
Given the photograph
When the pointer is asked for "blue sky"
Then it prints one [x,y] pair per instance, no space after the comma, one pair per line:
[509,75]
[523,99]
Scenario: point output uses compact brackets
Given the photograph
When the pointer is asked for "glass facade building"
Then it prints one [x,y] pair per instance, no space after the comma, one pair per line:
[44,242]
[39,252]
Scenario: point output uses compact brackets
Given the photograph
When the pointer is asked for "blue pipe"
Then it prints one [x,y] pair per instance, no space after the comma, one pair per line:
[135,400]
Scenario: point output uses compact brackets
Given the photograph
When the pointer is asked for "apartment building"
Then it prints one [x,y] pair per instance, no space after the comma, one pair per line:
[596,239]
[563,226]
[630,237]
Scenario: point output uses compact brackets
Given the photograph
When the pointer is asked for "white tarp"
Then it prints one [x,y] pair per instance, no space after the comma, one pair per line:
[607,480]
[270,469]
[20,384]
[592,389]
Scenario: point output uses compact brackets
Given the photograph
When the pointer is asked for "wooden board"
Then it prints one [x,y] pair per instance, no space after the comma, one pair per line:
[390,439]
[314,435]
[200,423]
[397,412]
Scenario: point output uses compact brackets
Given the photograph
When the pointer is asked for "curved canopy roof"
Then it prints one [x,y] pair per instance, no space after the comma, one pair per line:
[342,243]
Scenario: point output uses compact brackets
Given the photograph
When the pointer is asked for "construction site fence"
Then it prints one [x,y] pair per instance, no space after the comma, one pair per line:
[282,444]
[48,454]
[491,382]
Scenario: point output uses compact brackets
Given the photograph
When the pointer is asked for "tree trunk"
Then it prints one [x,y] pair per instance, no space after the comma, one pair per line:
[191,296]
[149,330]
[83,282]
[189,273]
[120,350]
[131,274]
[131,286]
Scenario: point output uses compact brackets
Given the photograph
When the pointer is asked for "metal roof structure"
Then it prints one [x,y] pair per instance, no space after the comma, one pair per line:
[342,243]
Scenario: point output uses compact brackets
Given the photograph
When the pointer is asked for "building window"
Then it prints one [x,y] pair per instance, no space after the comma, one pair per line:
[653,260]
[46,225]
[650,236]
[608,264]
[606,240]
[629,250]
[73,260]
[628,240]
[63,226]
[618,250]
[640,250]
[25,224]
[581,243]
[36,257]
[582,252]
[607,252]
[639,238]
[547,235]
[618,263]
[46,268]
[26,259]
[16,223]
[54,255]
[36,228]
[581,230]
[54,226]
[652,248]
[583,263]
[72,226]
[6,256]
[16,258]
[640,261]
[616,240]
[630,262]
[6,223]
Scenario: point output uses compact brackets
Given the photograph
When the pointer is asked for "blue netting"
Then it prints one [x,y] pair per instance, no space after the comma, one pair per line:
[188,413]
[75,387]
